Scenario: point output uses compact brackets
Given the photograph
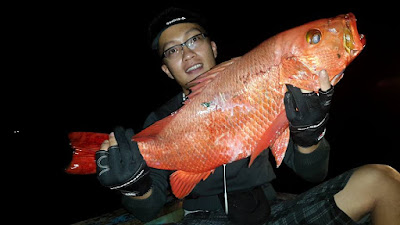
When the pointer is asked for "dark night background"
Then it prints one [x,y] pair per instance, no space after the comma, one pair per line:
[88,67]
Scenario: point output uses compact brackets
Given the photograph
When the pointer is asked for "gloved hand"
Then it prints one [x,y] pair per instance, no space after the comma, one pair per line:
[308,114]
[122,167]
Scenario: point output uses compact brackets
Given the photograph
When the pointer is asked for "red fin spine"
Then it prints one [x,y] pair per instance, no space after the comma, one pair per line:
[182,183]
[198,84]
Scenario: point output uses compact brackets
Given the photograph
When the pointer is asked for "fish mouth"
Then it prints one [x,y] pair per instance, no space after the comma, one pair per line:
[337,78]
[352,40]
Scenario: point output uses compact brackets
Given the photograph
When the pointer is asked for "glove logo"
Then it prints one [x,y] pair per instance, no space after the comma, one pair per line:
[321,135]
[103,168]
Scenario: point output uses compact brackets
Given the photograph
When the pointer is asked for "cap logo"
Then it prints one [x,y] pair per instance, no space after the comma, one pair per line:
[175,20]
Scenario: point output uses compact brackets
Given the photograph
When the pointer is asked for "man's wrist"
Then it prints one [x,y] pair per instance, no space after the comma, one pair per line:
[140,187]
[144,196]
[308,150]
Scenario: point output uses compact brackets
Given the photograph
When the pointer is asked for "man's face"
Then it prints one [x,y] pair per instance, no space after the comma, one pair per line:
[189,63]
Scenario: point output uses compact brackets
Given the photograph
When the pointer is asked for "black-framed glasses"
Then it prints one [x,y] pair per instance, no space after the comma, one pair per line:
[192,43]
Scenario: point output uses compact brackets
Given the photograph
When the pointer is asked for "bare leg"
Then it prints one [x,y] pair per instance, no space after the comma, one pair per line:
[374,189]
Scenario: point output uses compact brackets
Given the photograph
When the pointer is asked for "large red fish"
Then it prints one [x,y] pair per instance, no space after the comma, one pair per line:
[236,109]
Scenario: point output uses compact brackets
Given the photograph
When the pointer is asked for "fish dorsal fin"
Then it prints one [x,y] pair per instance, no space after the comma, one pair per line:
[182,183]
[153,130]
[196,85]
[200,82]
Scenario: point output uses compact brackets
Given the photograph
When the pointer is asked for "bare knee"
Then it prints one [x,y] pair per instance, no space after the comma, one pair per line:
[384,188]
[369,186]
[379,174]
[381,184]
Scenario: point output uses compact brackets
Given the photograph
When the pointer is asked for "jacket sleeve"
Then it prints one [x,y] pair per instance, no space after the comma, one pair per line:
[312,167]
[147,209]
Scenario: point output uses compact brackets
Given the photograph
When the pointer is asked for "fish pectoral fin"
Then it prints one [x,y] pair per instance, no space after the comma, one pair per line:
[294,72]
[182,183]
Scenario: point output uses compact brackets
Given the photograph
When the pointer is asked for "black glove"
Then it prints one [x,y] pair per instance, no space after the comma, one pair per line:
[122,167]
[308,114]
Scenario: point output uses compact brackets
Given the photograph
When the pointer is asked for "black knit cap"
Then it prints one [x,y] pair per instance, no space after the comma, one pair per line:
[169,17]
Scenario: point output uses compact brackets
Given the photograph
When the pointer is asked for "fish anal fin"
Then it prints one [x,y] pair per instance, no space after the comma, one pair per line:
[153,130]
[182,183]
[270,135]
[279,147]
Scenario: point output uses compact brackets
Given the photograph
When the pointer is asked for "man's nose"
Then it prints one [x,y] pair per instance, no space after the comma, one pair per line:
[188,53]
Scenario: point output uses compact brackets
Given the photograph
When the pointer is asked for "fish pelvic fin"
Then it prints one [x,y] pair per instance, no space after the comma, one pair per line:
[182,183]
[279,147]
[270,136]
[85,145]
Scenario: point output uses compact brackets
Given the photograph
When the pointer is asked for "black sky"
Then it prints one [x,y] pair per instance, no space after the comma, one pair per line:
[87,67]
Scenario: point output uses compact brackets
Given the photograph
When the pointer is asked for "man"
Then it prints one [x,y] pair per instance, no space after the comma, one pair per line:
[181,40]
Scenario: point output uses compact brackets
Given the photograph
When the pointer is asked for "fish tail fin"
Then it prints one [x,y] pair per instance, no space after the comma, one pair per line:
[182,183]
[85,145]
[270,135]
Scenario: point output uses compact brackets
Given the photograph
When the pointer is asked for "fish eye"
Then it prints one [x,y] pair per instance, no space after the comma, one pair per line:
[313,36]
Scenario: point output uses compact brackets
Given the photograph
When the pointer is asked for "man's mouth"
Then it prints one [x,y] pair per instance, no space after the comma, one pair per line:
[194,67]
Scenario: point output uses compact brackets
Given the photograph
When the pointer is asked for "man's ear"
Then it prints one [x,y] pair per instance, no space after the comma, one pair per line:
[166,71]
[214,49]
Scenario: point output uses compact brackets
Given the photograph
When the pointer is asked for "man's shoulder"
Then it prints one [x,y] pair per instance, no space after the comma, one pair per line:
[164,110]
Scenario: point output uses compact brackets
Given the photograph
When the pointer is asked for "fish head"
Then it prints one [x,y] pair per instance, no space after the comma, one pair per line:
[330,44]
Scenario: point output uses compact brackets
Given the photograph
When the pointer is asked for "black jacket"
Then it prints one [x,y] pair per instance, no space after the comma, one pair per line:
[312,167]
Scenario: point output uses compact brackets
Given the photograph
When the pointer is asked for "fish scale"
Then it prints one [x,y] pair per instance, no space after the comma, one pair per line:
[236,110]
[254,122]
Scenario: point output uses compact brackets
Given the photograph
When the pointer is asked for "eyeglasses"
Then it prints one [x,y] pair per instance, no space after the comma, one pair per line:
[192,43]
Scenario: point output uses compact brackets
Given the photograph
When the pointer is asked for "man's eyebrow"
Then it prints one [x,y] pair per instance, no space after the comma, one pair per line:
[193,29]
[168,43]
[187,32]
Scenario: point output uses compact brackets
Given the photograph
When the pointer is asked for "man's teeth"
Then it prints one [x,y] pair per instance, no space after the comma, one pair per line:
[193,68]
